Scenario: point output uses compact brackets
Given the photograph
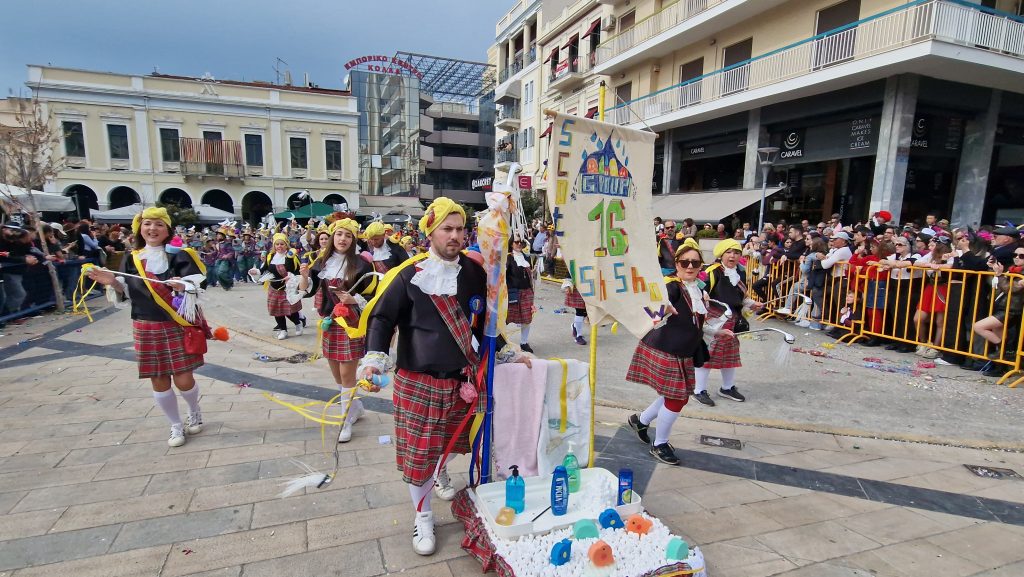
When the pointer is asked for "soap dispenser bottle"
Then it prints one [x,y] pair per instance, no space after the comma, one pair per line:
[515,491]
[572,469]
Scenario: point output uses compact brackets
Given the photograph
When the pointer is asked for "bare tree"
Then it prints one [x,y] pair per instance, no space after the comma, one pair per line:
[27,161]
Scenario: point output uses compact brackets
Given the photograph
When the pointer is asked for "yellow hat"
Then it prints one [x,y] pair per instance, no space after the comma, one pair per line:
[726,245]
[375,228]
[281,237]
[438,211]
[688,244]
[344,224]
[152,212]
[406,241]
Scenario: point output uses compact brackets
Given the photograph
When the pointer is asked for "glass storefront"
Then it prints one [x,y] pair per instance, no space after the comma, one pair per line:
[711,165]
[389,131]
[1005,198]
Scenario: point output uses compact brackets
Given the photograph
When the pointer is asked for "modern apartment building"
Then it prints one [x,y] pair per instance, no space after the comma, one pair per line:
[248,148]
[907,106]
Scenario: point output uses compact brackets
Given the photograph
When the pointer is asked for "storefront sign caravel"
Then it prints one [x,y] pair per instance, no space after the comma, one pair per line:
[793,145]
[385,65]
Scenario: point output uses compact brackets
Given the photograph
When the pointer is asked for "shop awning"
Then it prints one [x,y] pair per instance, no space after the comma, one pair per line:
[593,28]
[706,206]
[547,131]
[572,40]
[592,112]
[45,201]
[552,55]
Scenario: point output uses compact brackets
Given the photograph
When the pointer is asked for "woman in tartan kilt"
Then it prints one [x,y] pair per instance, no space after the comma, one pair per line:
[159,338]
[519,277]
[574,300]
[281,263]
[428,303]
[725,285]
[665,358]
[338,277]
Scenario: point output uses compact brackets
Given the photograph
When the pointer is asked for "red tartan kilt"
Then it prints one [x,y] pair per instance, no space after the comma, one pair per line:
[337,345]
[278,305]
[521,313]
[160,349]
[575,300]
[725,352]
[318,299]
[671,376]
[427,413]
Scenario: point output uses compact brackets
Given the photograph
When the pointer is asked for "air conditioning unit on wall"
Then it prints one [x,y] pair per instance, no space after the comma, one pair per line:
[608,23]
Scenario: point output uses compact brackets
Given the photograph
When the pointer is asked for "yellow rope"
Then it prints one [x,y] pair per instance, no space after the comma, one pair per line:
[78,305]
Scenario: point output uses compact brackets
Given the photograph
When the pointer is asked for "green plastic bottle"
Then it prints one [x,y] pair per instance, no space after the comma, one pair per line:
[572,468]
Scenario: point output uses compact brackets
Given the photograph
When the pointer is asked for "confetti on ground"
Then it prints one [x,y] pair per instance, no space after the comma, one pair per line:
[293,359]
[384,439]
[243,385]
[187,551]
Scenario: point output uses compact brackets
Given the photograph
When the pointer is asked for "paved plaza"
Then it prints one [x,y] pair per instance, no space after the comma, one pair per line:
[819,488]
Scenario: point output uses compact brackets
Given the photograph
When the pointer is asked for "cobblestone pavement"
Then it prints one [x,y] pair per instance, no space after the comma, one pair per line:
[89,487]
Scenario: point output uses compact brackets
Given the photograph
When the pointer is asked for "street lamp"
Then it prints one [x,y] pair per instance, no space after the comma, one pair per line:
[766,157]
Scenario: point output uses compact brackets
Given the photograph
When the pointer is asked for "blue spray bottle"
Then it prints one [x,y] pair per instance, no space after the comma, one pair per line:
[559,491]
[515,491]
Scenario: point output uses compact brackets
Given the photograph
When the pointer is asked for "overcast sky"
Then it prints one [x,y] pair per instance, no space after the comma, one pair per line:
[237,39]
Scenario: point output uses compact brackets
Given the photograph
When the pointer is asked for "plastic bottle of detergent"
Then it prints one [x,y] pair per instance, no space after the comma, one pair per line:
[559,491]
[515,491]
[572,469]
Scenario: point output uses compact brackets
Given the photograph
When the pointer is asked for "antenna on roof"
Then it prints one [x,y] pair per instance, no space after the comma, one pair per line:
[277,69]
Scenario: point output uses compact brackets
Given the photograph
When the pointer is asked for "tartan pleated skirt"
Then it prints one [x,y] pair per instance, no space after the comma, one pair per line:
[573,299]
[521,311]
[725,351]
[278,305]
[337,346]
[670,376]
[160,349]
[427,413]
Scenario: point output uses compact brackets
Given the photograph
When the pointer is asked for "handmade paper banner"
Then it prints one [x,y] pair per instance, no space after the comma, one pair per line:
[599,191]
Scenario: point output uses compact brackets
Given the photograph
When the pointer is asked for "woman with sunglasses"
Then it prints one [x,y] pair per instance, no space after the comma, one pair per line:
[1008,304]
[665,358]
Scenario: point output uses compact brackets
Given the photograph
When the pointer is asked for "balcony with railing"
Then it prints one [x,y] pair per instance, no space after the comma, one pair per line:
[508,117]
[824,58]
[506,151]
[520,61]
[672,28]
[201,157]
[570,74]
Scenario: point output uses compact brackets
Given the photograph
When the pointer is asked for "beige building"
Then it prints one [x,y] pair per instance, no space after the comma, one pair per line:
[907,106]
[245,147]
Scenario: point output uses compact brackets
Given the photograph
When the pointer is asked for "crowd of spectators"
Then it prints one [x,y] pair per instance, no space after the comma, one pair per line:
[912,288]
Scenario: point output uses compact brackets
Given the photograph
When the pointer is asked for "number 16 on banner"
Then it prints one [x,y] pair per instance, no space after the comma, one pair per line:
[614,240]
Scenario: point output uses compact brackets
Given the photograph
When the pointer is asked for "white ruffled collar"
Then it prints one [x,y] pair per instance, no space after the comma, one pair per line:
[334,267]
[732,274]
[278,258]
[156,259]
[696,297]
[436,276]
[520,259]
[382,253]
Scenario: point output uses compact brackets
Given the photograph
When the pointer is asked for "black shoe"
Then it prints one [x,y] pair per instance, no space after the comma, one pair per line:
[639,428]
[704,398]
[731,394]
[872,342]
[525,347]
[974,365]
[996,371]
[665,454]
[905,348]
[303,321]
[893,347]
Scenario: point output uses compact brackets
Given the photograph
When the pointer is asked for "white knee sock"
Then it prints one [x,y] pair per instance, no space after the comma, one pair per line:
[728,378]
[524,334]
[651,412]
[666,419]
[191,397]
[577,323]
[421,493]
[701,375]
[168,403]
[356,404]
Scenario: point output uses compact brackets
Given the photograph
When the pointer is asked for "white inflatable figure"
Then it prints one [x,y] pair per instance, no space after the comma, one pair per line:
[506,199]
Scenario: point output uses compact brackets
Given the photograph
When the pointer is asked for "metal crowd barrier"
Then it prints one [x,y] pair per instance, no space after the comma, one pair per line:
[39,294]
[921,307]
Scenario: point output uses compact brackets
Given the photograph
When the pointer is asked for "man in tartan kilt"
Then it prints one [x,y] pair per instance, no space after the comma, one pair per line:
[725,285]
[386,253]
[428,302]
[665,358]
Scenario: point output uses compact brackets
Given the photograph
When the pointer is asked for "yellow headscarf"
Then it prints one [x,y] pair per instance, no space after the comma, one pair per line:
[152,212]
[344,224]
[688,244]
[726,245]
[375,228]
[280,236]
[438,211]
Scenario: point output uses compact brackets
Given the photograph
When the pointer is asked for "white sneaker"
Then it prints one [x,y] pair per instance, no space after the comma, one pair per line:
[443,488]
[804,324]
[784,311]
[298,330]
[353,415]
[194,423]
[943,362]
[282,335]
[177,438]
[423,533]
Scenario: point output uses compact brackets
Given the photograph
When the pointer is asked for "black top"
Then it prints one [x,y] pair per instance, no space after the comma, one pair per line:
[724,291]
[1004,254]
[667,253]
[424,342]
[681,335]
[517,277]
[144,308]
[398,254]
[329,299]
[795,250]
[277,283]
